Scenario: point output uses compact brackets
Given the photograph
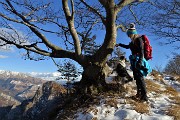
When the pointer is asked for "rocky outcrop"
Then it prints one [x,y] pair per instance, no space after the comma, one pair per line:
[6,100]
[45,100]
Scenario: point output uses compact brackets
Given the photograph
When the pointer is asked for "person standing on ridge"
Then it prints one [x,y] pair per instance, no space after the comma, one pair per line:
[139,65]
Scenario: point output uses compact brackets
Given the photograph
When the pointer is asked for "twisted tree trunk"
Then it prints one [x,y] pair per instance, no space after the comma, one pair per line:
[93,79]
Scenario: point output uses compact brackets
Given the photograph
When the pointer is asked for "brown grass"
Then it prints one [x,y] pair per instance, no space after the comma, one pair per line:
[138,106]
[153,87]
[112,102]
[157,76]
[93,109]
[178,79]
[174,95]
[95,118]
[171,91]
[174,111]
[176,99]
[58,89]
[141,107]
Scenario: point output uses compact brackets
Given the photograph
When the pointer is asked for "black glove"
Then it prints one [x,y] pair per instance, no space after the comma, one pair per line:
[139,64]
[118,44]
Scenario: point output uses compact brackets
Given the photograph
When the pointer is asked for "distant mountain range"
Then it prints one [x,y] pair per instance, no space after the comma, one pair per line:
[45,76]
[16,87]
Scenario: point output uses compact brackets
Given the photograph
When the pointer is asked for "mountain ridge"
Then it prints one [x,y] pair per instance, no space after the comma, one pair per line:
[18,86]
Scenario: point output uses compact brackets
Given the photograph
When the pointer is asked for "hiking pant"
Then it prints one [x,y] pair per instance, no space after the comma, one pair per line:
[140,83]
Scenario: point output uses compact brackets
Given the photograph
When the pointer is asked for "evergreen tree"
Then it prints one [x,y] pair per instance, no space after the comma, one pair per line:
[68,72]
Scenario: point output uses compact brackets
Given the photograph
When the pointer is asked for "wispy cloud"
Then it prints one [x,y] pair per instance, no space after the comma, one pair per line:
[3,56]
[6,48]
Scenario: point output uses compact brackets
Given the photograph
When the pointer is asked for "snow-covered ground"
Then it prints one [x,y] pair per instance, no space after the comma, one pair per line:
[124,108]
[172,82]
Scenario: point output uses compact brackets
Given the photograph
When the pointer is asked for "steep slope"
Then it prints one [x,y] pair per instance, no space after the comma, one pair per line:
[6,100]
[40,107]
[163,104]
[17,85]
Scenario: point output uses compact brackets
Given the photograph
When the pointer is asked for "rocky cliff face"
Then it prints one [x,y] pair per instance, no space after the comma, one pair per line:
[45,100]
[6,100]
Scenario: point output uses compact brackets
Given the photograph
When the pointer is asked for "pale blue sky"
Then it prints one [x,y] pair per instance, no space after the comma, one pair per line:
[14,61]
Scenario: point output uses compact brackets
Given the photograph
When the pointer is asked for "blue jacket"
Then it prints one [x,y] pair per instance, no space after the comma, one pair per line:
[133,60]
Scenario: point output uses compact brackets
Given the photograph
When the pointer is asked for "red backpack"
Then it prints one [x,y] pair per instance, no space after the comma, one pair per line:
[147,48]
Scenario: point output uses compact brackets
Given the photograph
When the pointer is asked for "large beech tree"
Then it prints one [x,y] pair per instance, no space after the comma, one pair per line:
[71,22]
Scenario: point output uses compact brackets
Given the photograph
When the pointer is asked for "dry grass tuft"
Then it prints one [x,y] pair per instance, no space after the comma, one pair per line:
[95,118]
[112,102]
[174,111]
[129,100]
[130,89]
[141,107]
[153,87]
[138,106]
[178,79]
[171,91]
[157,76]
[91,109]
[176,99]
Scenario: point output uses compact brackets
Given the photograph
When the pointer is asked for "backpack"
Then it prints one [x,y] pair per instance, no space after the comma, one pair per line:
[147,48]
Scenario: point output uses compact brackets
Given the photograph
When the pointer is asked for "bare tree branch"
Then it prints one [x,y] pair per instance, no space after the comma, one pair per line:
[133,14]
[122,4]
[70,21]
[40,35]
[73,11]
[95,11]
[122,27]
[36,9]
[27,47]
[165,22]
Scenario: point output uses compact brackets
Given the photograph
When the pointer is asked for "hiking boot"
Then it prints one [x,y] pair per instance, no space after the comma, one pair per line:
[129,80]
[138,95]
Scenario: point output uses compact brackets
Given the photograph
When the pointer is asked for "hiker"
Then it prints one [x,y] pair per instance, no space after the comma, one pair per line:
[121,70]
[139,65]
